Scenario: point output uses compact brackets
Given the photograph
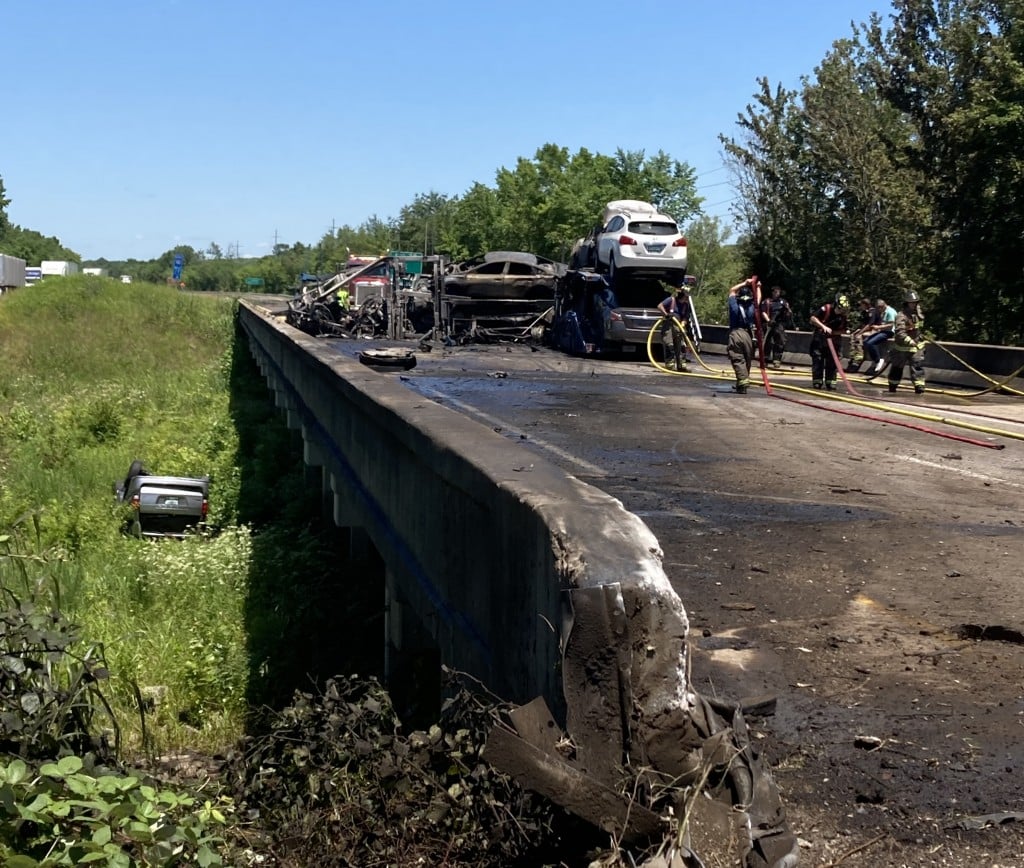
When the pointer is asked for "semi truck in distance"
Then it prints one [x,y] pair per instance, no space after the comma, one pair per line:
[12,272]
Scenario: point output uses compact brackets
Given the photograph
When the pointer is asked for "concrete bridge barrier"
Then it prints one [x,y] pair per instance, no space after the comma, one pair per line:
[544,588]
[522,576]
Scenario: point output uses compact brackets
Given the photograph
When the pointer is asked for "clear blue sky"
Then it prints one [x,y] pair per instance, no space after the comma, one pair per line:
[131,127]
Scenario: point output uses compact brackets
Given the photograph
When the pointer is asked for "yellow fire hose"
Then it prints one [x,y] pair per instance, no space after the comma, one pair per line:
[854,399]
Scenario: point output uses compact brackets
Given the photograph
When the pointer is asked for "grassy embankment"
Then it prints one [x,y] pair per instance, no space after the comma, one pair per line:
[95,373]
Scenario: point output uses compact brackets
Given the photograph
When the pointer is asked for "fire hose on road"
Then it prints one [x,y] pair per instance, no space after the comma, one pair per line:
[774,389]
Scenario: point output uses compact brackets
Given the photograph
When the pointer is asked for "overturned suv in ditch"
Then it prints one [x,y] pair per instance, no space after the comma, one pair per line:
[162,506]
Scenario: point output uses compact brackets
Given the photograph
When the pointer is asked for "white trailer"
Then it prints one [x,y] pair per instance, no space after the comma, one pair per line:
[12,272]
[58,267]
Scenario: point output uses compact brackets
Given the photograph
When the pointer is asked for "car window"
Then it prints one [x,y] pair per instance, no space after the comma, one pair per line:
[651,227]
[640,293]
[615,224]
[522,268]
[490,268]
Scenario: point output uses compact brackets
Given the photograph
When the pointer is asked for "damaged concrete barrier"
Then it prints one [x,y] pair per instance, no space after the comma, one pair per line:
[531,581]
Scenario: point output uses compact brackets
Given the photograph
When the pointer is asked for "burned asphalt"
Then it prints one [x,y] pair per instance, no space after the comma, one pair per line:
[859,578]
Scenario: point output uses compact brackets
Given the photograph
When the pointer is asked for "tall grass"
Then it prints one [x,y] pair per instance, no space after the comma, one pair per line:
[93,374]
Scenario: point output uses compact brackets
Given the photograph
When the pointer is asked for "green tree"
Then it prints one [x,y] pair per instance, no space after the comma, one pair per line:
[955,68]
[715,263]
[5,224]
[424,223]
[545,203]
[473,221]
[34,247]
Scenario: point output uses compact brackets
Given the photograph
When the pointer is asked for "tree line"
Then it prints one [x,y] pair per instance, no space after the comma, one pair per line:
[897,165]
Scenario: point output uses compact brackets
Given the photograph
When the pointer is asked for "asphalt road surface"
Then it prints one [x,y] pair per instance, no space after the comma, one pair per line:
[862,566]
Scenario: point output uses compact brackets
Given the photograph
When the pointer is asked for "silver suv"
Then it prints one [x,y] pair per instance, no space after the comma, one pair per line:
[162,506]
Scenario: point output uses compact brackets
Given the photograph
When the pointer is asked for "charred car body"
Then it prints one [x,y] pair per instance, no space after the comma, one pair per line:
[504,274]
[502,293]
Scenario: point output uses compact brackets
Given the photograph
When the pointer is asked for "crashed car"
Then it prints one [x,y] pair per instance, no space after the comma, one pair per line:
[162,506]
[591,316]
[504,274]
[634,238]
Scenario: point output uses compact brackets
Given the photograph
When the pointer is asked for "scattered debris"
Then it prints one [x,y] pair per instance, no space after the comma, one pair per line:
[987,821]
[991,633]
[395,360]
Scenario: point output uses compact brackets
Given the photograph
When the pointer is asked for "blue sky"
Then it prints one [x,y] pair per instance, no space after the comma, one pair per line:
[138,126]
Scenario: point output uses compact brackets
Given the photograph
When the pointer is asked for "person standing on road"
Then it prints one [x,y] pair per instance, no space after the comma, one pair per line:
[868,320]
[776,315]
[886,316]
[675,312]
[829,321]
[743,300]
[908,344]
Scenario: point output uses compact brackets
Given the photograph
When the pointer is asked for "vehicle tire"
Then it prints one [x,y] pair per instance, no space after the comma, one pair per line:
[323,319]
[134,469]
[613,272]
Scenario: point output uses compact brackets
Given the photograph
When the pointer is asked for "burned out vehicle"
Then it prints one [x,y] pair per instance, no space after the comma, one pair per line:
[358,303]
[504,274]
[162,506]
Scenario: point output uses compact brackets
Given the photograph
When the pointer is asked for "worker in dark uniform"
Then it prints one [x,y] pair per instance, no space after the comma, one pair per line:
[908,344]
[743,300]
[675,312]
[776,315]
[829,322]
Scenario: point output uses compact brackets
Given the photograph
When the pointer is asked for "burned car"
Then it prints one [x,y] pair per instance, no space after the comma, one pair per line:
[504,274]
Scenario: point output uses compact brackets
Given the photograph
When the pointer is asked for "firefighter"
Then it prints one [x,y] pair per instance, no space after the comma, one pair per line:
[675,312]
[743,300]
[830,322]
[776,314]
[908,345]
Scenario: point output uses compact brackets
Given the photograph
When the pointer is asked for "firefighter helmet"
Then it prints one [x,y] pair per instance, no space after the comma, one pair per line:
[842,301]
[910,296]
[745,295]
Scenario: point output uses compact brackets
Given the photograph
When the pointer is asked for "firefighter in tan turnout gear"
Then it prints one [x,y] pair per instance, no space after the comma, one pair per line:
[909,343]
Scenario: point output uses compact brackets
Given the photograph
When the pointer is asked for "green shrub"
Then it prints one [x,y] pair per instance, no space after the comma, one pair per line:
[63,813]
